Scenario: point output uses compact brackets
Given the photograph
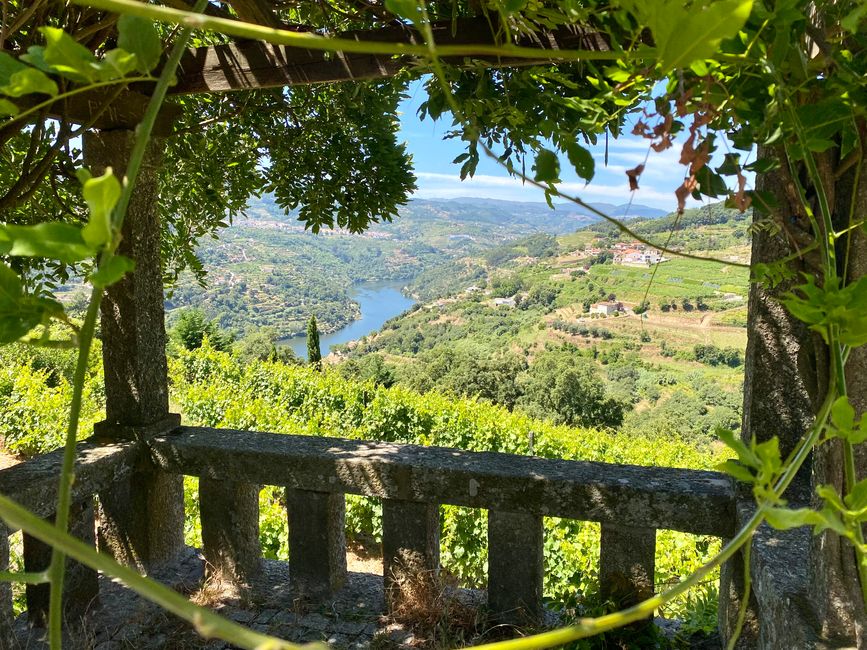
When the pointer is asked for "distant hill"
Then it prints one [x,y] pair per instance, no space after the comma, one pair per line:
[266,270]
[527,216]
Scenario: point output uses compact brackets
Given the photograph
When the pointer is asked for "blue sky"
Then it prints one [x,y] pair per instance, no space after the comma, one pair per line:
[438,178]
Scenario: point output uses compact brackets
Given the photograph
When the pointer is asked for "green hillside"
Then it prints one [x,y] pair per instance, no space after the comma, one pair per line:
[266,270]
[493,324]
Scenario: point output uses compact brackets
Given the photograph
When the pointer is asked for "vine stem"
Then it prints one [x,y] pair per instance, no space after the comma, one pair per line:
[745,598]
[31,578]
[838,363]
[310,41]
[57,567]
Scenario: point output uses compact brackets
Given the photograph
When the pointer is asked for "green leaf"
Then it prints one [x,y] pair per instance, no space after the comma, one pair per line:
[735,469]
[68,58]
[731,164]
[785,518]
[581,160]
[101,194]
[822,121]
[857,497]
[52,240]
[9,65]
[27,81]
[843,415]
[140,37]
[851,20]
[547,167]
[404,8]
[829,494]
[36,57]
[8,108]
[684,33]
[20,313]
[763,165]
[117,63]
[111,271]
[769,455]
[829,306]
[745,454]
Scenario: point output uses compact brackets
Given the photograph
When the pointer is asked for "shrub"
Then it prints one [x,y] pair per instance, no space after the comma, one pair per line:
[213,389]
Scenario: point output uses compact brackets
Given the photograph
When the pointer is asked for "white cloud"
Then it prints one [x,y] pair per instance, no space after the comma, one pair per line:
[434,185]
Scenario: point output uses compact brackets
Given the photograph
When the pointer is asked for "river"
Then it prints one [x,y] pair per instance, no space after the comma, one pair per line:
[379,302]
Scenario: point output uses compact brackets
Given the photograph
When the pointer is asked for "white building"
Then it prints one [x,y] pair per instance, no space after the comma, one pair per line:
[606,308]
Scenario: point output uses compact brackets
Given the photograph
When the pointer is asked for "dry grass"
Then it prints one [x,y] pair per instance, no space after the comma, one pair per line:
[429,604]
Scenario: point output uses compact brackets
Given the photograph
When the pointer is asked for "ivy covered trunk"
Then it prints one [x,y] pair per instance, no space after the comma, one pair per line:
[833,568]
[787,375]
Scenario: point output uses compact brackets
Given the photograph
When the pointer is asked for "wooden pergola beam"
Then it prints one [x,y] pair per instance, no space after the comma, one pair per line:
[253,65]
[256,11]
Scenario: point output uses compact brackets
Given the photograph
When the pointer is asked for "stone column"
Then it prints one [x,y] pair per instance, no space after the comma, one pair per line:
[410,542]
[317,541]
[230,532]
[515,567]
[627,562]
[81,586]
[141,519]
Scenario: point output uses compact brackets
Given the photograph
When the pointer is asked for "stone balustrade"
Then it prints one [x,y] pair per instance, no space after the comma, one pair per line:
[33,484]
[629,502]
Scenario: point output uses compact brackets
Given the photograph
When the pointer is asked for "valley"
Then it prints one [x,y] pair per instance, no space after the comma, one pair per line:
[267,271]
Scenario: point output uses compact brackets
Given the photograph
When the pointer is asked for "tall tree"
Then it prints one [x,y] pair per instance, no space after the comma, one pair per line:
[314,352]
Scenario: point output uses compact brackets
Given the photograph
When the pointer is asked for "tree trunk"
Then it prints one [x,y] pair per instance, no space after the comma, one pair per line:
[786,377]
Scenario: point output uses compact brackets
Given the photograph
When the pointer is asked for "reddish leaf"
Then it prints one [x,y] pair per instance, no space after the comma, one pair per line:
[741,198]
[683,192]
[701,158]
[633,175]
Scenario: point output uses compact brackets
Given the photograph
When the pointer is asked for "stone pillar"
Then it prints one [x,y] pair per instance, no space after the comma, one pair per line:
[515,567]
[627,562]
[410,542]
[230,532]
[141,518]
[317,541]
[81,586]
[6,618]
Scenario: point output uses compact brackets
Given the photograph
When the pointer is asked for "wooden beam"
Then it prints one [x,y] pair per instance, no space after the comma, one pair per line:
[254,65]
[256,11]
[248,66]
[105,109]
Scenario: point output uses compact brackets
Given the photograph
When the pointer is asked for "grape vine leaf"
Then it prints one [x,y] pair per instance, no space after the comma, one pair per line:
[52,240]
[101,194]
[139,37]
[111,271]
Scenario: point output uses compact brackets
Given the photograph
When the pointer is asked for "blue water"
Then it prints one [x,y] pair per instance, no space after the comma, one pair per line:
[379,302]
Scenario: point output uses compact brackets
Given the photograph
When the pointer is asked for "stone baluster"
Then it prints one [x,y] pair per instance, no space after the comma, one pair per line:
[515,567]
[81,586]
[626,563]
[410,543]
[6,618]
[230,533]
[317,541]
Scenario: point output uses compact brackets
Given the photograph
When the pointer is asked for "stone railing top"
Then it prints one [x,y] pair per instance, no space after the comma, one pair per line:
[33,483]
[692,501]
